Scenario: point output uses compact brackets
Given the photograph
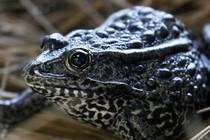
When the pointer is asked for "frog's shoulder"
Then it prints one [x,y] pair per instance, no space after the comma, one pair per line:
[144,26]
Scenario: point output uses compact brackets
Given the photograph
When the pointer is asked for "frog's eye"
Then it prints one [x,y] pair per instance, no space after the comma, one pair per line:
[78,59]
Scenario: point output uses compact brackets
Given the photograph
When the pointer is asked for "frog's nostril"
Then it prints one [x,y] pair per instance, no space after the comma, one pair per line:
[44,42]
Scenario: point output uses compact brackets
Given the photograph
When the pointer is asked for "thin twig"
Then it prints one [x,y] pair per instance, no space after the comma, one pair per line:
[88,9]
[121,3]
[38,16]
[203,110]
[201,134]
[147,2]
[4,80]
[13,68]
[8,94]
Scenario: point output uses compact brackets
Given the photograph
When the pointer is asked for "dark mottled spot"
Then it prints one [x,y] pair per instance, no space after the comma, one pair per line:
[77,35]
[99,108]
[90,95]
[162,32]
[102,102]
[99,116]
[107,116]
[123,130]
[112,107]
[164,73]
[182,62]
[148,37]
[134,44]
[91,113]
[120,102]
[157,112]
[136,27]
[125,17]
[83,108]
[102,34]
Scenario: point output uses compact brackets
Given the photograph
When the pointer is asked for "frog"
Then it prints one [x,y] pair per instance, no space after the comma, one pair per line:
[141,74]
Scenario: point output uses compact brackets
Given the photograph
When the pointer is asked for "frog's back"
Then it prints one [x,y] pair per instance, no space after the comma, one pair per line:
[136,28]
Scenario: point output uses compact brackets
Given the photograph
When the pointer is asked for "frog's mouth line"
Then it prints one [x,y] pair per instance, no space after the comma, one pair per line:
[139,93]
[67,92]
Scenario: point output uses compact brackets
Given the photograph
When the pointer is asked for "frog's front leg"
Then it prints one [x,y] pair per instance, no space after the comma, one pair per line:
[20,107]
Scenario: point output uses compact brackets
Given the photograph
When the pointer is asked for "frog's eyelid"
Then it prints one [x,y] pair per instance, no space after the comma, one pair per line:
[171,47]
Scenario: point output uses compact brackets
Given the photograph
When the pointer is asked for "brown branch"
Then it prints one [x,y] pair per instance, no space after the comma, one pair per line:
[38,16]
[201,134]
[89,10]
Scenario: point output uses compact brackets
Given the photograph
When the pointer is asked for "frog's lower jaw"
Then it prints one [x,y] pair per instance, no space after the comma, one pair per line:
[131,118]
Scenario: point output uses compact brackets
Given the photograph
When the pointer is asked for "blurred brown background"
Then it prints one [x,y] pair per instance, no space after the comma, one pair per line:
[24,22]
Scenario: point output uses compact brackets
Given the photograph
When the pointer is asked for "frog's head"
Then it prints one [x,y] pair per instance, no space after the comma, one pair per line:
[66,68]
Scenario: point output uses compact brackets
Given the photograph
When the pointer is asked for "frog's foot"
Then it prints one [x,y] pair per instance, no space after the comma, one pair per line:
[15,110]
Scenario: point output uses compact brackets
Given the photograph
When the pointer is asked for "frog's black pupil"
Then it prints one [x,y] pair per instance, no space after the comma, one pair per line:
[78,59]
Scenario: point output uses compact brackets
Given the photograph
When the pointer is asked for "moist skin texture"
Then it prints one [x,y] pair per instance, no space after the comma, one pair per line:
[139,74]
